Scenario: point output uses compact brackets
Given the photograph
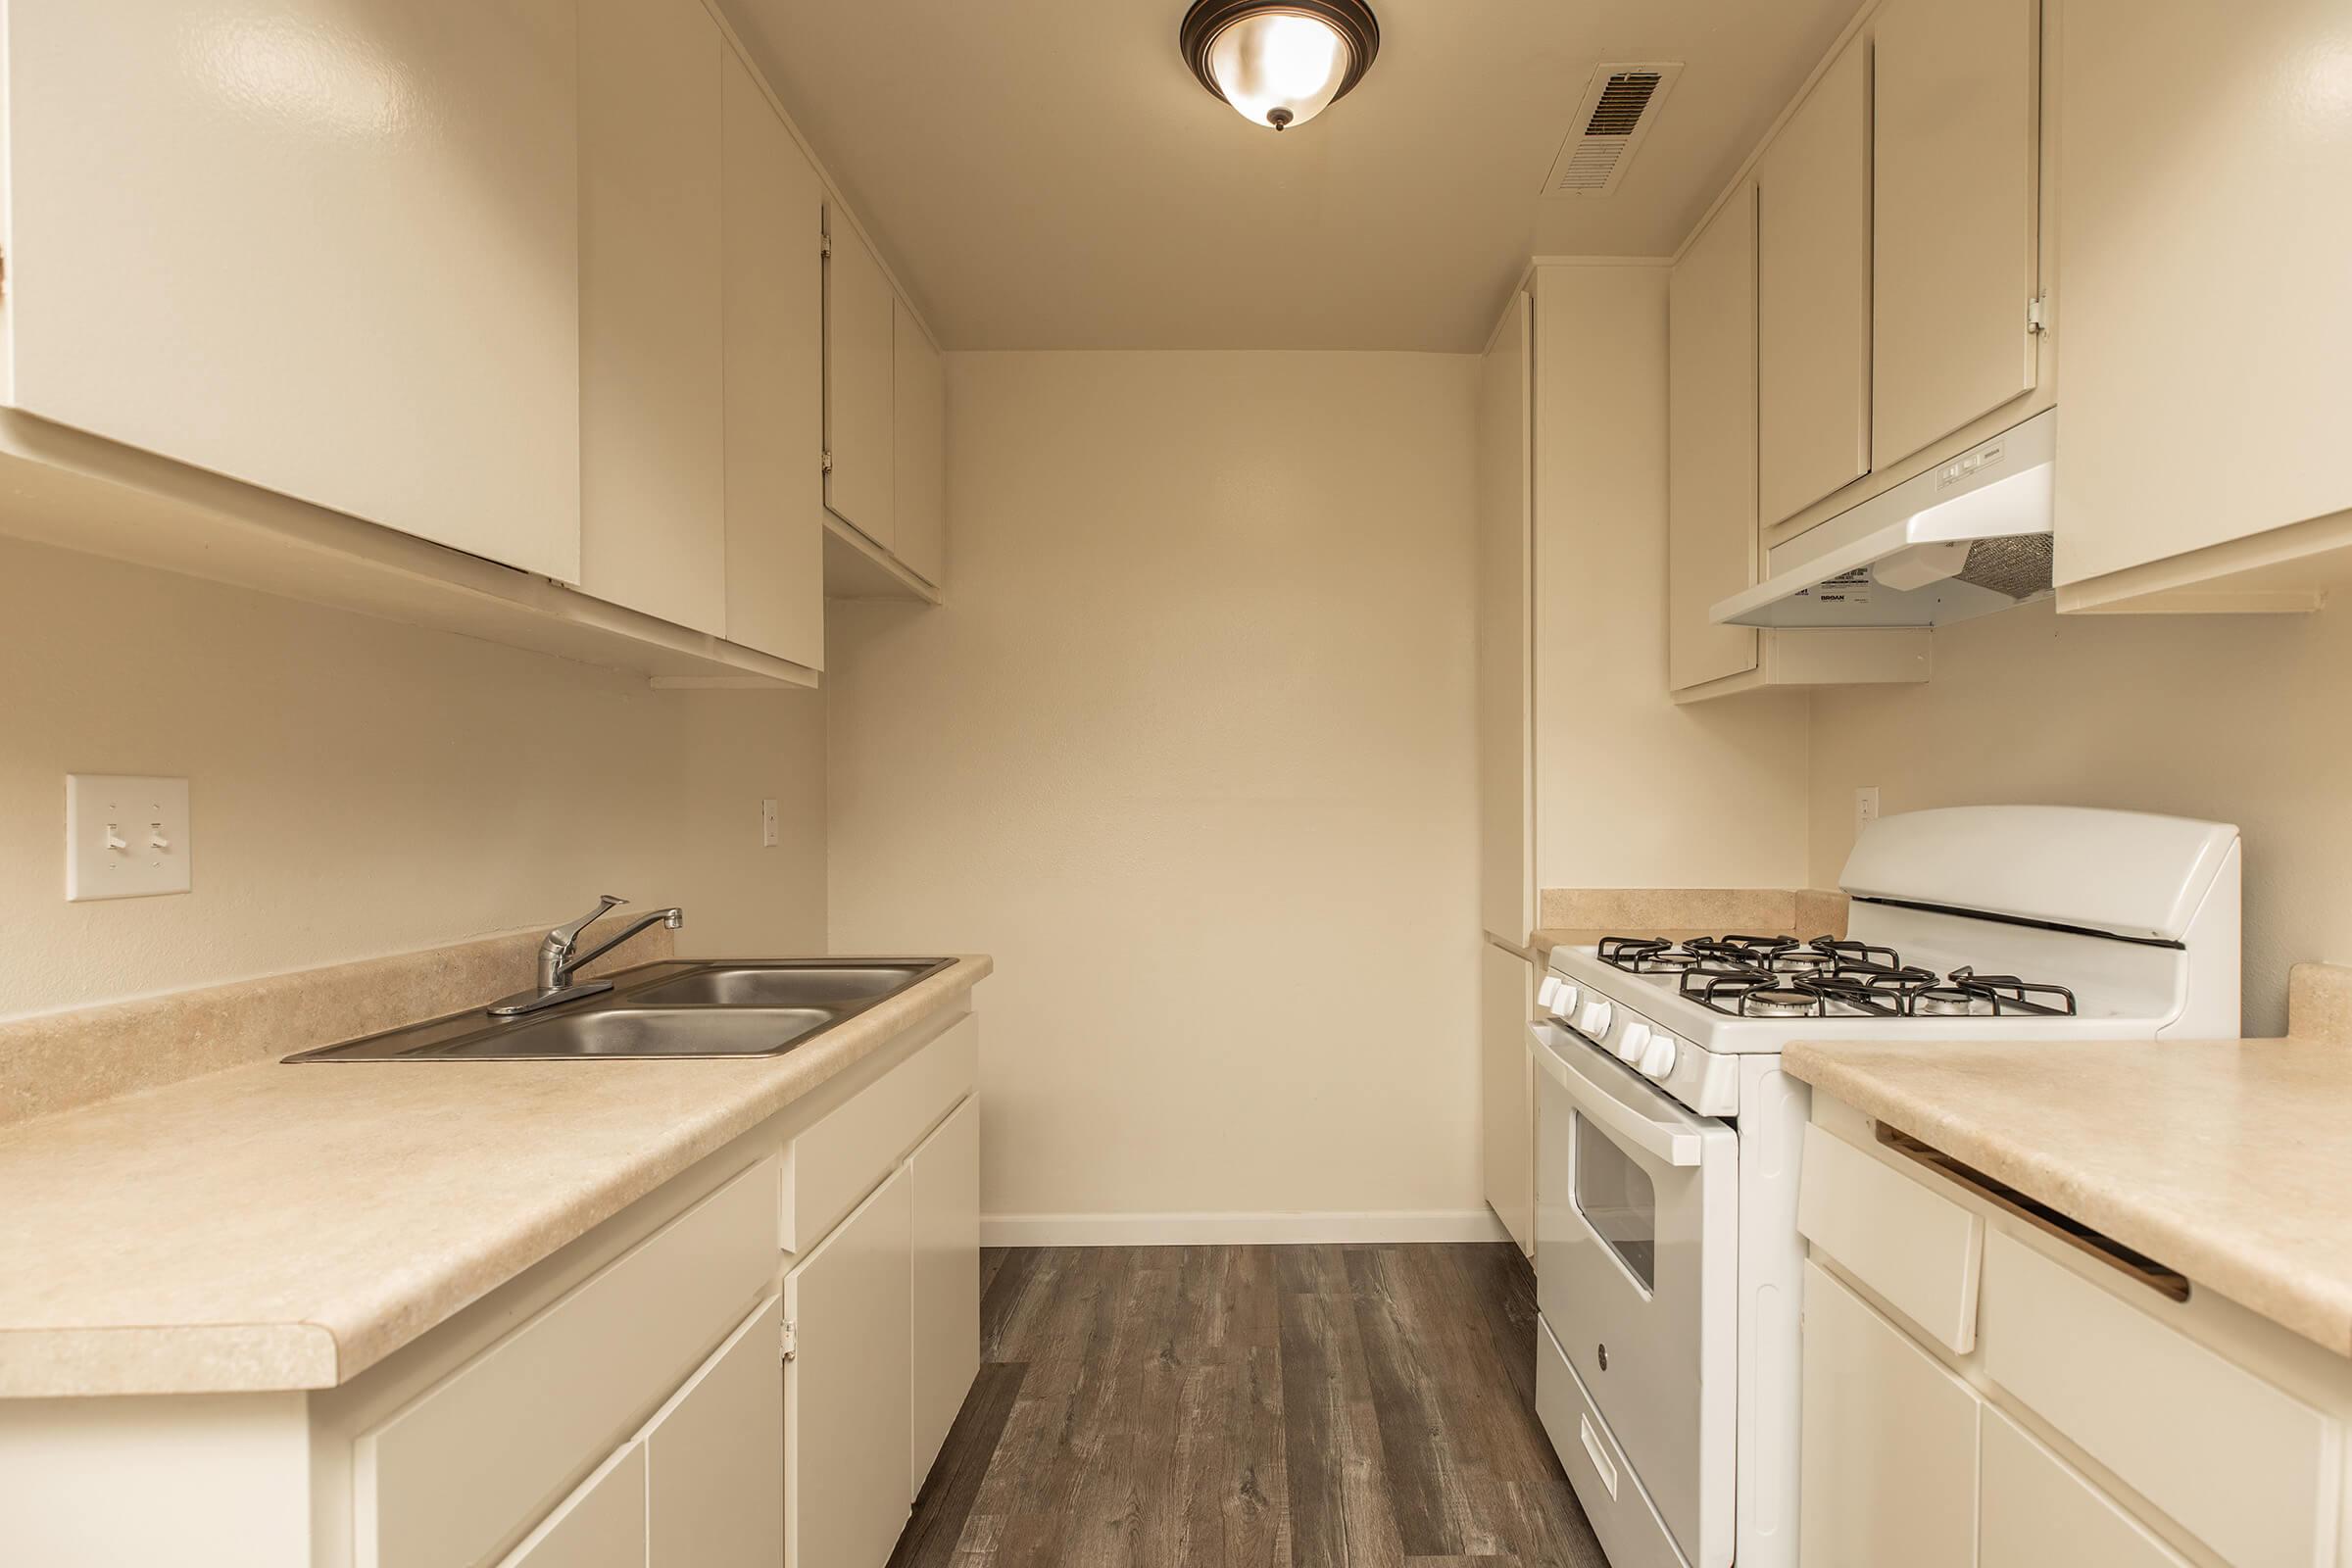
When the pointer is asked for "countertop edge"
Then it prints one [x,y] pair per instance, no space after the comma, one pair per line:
[44,1361]
[2279,1294]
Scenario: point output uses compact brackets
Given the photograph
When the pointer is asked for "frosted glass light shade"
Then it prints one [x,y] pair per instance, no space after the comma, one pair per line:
[1279,68]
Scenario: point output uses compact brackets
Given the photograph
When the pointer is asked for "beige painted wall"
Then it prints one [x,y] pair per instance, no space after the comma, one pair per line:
[1189,749]
[1632,789]
[2237,719]
[360,787]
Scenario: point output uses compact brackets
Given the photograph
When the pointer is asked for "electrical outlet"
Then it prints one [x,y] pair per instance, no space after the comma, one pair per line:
[1866,807]
[125,837]
[767,825]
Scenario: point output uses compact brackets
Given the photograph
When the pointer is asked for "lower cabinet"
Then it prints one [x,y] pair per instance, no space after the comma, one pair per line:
[2040,1512]
[848,1400]
[697,1488]
[1889,1452]
[944,1356]
[1505,1005]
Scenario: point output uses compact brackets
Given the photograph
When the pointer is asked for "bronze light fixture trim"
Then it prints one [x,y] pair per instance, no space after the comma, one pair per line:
[1279,63]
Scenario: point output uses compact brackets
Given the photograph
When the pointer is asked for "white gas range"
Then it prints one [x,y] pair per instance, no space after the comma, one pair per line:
[1667,1255]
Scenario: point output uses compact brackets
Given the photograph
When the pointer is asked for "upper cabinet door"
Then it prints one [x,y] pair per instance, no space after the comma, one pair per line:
[327,249]
[653,487]
[772,305]
[1506,893]
[860,419]
[1813,294]
[1711,445]
[1956,186]
[920,398]
[2202,235]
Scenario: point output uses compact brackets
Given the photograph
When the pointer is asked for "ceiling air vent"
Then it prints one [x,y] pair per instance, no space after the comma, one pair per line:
[1619,106]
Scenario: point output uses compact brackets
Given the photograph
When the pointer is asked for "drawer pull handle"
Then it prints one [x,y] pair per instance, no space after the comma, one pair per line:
[2138,1266]
[1599,1458]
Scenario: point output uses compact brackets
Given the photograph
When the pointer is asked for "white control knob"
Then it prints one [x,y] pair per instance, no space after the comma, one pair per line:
[1658,1061]
[1593,1021]
[1563,1001]
[1549,989]
[1631,1043]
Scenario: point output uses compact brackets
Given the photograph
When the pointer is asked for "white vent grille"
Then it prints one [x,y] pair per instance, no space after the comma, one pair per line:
[1620,104]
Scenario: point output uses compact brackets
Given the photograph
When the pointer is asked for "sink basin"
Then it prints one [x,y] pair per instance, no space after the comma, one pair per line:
[672,1009]
[783,985]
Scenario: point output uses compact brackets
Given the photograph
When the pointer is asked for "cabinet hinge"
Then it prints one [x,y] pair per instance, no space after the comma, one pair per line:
[792,1342]
[824,245]
[827,465]
[2037,314]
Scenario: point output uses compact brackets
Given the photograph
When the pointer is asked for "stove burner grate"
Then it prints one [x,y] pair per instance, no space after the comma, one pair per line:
[1828,977]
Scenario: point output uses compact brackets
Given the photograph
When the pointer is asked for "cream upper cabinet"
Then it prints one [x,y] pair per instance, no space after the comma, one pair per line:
[652,500]
[771,298]
[860,418]
[327,249]
[919,401]
[1506,625]
[1813,294]
[1956,155]
[1711,444]
[2207,325]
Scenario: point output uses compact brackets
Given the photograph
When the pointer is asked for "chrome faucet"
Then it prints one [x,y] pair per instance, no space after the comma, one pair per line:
[560,959]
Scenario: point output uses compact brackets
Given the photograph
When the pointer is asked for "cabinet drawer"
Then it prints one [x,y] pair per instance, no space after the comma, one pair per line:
[2241,1465]
[451,1474]
[1917,1248]
[1630,1531]
[2037,1513]
[845,1157]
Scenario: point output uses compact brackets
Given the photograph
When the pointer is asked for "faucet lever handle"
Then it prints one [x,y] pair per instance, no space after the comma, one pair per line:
[564,937]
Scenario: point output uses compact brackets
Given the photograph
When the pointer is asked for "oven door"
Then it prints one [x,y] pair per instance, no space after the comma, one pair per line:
[1637,1273]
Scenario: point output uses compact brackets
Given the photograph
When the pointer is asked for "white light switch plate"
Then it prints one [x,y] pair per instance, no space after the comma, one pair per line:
[125,837]
[767,825]
[1866,807]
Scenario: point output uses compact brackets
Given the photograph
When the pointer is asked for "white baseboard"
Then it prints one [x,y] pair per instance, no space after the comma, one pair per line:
[1239,1229]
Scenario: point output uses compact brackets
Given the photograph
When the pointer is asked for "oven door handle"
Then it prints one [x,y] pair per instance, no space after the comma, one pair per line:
[1673,1137]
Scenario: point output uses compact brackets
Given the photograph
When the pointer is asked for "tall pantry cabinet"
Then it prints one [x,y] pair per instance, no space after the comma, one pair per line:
[1505,761]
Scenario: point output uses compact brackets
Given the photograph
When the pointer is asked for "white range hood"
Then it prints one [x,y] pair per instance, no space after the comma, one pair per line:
[1966,538]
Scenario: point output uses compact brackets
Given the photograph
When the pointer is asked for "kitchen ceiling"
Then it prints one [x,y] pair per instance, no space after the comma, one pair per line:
[1046,174]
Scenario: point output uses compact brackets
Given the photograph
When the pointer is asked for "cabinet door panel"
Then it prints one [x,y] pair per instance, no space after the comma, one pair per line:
[328,250]
[600,1526]
[2202,230]
[2037,1513]
[1507,1001]
[1955,184]
[921,401]
[651,376]
[1888,1460]
[945,1359]
[714,1457]
[1813,294]
[1506,624]
[847,1391]
[772,298]
[1711,435]
[860,419]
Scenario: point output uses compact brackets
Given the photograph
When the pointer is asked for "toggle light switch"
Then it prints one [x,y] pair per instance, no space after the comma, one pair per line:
[125,837]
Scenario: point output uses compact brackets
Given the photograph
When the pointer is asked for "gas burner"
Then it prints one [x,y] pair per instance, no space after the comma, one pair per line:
[1739,947]
[1800,961]
[1941,1002]
[1781,1002]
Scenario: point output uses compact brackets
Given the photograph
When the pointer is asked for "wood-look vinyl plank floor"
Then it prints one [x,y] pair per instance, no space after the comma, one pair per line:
[1251,1407]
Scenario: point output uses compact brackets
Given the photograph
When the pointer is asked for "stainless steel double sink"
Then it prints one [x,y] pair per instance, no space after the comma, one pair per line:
[708,1009]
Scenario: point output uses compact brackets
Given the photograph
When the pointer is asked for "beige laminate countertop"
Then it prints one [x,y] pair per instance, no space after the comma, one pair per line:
[2228,1161]
[274,1227]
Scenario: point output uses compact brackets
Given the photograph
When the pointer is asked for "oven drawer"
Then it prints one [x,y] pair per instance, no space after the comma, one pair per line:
[1629,1529]
[1917,1248]
[2242,1465]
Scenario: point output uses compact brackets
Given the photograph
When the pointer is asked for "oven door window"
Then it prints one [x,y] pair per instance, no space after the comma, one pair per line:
[1615,1197]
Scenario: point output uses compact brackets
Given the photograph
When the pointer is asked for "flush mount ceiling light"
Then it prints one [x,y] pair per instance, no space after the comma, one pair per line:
[1279,62]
